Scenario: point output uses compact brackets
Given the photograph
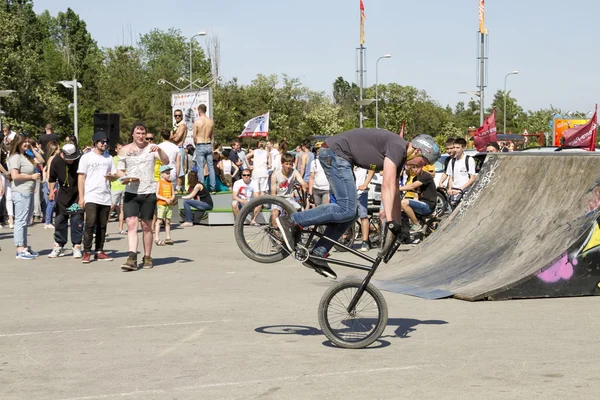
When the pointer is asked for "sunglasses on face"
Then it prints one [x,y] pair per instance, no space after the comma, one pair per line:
[245,175]
[178,116]
[103,141]
[149,139]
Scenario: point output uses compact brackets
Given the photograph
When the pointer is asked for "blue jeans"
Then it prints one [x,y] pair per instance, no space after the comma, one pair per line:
[23,204]
[197,204]
[338,216]
[204,153]
[49,205]
[419,207]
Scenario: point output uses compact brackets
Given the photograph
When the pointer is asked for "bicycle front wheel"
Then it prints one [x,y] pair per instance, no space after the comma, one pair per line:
[356,329]
[262,241]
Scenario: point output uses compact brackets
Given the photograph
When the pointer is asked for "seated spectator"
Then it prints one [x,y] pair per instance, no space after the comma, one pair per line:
[425,186]
[243,190]
[227,170]
[198,198]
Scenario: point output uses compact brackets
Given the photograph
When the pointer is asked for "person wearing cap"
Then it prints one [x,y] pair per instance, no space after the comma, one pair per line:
[136,169]
[165,193]
[372,149]
[63,171]
[96,171]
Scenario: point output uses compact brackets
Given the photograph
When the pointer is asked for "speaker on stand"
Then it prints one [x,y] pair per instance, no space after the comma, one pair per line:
[109,123]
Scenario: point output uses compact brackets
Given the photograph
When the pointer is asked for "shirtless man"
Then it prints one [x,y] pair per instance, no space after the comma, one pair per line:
[203,137]
[136,164]
[178,135]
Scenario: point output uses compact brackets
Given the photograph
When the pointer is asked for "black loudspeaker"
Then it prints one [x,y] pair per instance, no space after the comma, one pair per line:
[109,123]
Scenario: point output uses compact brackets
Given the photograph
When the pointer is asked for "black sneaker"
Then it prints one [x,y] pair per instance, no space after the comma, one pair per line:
[320,268]
[289,231]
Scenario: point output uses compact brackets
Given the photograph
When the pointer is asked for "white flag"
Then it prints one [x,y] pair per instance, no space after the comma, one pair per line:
[257,127]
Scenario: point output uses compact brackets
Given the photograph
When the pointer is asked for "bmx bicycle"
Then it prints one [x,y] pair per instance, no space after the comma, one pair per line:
[352,313]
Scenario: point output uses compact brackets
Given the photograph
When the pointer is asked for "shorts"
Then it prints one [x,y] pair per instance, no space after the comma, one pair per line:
[420,207]
[363,204]
[293,202]
[320,196]
[164,212]
[116,197]
[261,184]
[139,205]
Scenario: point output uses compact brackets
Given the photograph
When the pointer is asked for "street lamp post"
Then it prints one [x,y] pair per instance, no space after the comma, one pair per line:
[510,73]
[73,85]
[377,88]
[191,64]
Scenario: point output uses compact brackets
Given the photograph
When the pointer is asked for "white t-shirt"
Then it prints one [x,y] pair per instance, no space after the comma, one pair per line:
[243,191]
[171,150]
[227,167]
[361,176]
[139,164]
[260,159]
[96,167]
[273,154]
[461,173]
[321,182]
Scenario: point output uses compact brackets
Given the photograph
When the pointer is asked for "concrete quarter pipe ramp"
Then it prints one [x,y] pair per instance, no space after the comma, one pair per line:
[529,227]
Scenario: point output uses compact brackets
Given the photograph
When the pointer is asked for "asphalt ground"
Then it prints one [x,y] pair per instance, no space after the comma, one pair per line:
[207,323]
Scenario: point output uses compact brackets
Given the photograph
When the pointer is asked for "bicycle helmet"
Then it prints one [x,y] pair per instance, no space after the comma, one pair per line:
[429,148]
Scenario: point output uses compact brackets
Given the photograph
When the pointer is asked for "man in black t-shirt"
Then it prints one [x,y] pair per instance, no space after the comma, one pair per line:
[48,137]
[63,171]
[424,186]
[235,158]
[372,149]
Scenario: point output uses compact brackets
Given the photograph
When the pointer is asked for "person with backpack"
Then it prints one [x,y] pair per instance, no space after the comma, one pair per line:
[461,170]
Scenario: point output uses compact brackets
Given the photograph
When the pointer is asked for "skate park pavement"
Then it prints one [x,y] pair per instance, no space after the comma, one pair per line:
[207,323]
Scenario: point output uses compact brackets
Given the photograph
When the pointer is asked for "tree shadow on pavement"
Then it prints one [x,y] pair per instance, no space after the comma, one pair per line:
[405,326]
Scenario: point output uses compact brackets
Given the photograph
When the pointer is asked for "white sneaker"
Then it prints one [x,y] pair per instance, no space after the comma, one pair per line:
[57,251]
[48,226]
[77,251]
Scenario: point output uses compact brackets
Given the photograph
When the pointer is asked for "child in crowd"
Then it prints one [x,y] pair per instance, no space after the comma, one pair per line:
[198,198]
[165,193]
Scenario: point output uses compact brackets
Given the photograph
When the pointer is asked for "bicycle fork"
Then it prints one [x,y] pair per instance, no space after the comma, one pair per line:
[363,286]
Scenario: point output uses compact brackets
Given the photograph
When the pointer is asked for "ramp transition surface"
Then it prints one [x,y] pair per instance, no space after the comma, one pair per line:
[528,228]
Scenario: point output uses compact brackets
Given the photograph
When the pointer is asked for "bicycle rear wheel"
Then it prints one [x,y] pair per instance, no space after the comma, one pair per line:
[263,242]
[359,328]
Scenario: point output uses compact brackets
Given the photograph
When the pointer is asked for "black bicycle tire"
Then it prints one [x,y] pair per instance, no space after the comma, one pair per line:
[239,227]
[381,319]
[441,198]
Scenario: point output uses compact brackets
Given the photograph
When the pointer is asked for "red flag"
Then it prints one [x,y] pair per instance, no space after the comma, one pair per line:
[362,22]
[486,133]
[583,136]
[402,130]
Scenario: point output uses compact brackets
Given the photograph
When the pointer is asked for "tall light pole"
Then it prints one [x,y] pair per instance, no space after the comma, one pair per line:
[73,85]
[377,88]
[191,39]
[510,73]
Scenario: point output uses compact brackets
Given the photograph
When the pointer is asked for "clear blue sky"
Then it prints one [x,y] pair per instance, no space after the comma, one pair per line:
[552,43]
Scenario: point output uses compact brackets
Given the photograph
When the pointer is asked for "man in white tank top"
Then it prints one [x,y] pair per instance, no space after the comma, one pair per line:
[261,163]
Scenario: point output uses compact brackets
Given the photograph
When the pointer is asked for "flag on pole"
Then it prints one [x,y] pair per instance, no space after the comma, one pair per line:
[402,130]
[362,22]
[583,136]
[257,127]
[482,17]
[486,133]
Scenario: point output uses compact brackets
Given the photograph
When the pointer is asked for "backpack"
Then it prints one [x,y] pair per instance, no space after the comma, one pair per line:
[466,164]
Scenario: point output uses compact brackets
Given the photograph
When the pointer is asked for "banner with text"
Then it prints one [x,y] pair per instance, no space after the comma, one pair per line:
[188,103]
[583,136]
[486,132]
[257,127]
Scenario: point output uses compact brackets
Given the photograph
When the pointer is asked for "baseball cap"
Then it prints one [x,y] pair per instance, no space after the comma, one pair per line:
[165,168]
[71,152]
[98,136]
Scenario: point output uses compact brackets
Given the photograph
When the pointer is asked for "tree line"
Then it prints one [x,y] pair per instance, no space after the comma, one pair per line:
[38,50]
